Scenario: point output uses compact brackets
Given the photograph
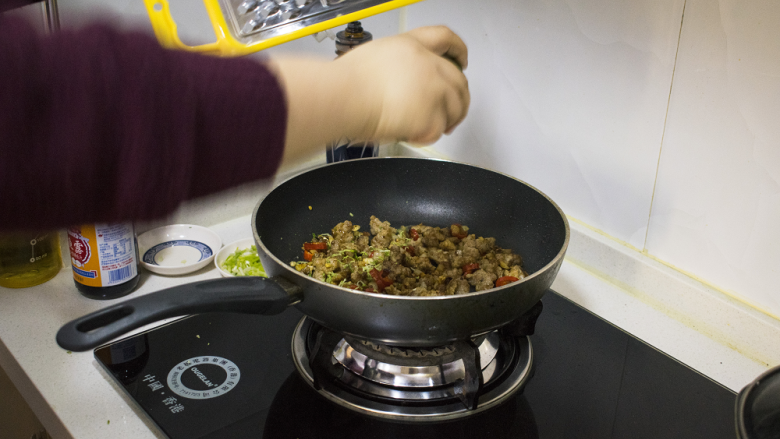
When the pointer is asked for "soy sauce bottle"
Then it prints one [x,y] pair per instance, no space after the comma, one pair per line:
[104,259]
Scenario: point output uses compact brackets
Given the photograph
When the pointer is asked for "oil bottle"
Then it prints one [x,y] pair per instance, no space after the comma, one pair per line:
[29,258]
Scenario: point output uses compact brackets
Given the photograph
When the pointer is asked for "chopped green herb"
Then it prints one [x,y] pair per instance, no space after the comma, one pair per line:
[244,262]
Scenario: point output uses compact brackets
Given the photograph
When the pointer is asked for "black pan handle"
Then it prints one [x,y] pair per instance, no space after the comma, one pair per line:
[250,295]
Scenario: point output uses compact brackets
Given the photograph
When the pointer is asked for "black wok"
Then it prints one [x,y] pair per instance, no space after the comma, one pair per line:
[404,191]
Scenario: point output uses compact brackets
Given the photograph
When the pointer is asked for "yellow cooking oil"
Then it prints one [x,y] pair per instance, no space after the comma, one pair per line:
[29,258]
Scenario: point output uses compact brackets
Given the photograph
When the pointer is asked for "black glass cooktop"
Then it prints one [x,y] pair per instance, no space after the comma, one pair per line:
[232,376]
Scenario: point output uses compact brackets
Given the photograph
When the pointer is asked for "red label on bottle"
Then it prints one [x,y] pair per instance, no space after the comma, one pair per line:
[79,247]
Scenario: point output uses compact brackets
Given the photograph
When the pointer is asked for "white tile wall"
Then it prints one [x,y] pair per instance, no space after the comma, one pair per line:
[569,96]
[717,205]
[572,96]
[125,14]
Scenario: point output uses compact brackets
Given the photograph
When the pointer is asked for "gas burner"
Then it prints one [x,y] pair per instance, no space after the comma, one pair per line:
[414,367]
[412,384]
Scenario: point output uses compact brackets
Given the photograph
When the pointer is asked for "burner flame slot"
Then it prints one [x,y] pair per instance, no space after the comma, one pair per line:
[406,376]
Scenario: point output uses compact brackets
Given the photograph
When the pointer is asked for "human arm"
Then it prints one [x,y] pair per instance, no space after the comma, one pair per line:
[97,125]
[102,126]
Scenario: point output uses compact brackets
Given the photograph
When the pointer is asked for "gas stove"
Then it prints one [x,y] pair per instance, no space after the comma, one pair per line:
[412,384]
[238,376]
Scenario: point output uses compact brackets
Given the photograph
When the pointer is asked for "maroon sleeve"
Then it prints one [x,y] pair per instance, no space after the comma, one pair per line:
[96,125]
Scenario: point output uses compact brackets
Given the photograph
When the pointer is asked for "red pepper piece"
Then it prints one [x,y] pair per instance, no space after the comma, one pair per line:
[376,275]
[469,268]
[413,233]
[369,290]
[410,250]
[315,246]
[382,282]
[307,255]
[501,281]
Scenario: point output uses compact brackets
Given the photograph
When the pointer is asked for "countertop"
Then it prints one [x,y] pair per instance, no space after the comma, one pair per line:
[701,327]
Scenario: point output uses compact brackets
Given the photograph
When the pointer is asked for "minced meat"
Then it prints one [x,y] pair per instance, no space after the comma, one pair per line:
[409,261]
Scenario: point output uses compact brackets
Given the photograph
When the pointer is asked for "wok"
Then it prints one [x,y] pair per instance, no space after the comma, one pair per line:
[403,191]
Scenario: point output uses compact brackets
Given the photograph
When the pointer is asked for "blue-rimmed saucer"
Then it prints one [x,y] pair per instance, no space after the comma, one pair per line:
[178,249]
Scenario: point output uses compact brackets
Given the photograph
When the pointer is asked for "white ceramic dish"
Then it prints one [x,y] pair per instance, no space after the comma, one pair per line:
[227,250]
[177,249]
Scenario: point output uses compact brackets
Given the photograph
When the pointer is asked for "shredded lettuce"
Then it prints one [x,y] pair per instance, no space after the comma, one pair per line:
[244,262]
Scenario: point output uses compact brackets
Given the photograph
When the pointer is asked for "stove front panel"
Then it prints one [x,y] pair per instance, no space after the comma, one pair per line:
[197,375]
[591,380]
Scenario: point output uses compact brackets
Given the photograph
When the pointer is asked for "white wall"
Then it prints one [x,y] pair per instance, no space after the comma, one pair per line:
[570,97]
[655,121]
[574,97]
[717,206]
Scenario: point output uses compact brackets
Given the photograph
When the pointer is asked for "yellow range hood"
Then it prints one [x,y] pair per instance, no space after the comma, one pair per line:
[246,26]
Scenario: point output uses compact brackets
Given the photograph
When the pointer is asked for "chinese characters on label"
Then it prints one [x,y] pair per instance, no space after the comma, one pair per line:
[196,365]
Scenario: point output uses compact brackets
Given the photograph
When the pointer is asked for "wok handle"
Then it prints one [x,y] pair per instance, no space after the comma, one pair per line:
[250,295]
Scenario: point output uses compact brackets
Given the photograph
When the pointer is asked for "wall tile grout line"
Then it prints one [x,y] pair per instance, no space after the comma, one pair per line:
[663,134]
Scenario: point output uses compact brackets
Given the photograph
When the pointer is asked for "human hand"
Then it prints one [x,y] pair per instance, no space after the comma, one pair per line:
[402,87]
[407,86]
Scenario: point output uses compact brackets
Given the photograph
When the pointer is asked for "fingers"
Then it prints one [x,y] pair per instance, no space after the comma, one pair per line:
[447,101]
[442,41]
[443,115]
[445,43]
[455,109]
[429,137]
[414,92]
[456,94]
